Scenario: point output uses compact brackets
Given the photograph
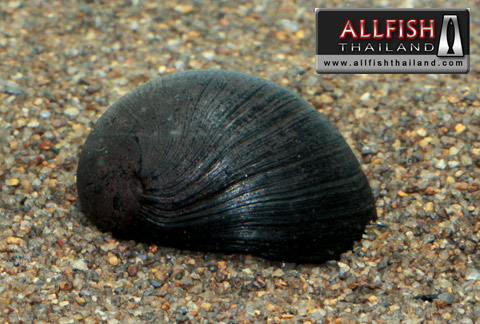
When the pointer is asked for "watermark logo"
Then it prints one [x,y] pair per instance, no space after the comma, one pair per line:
[392,40]
[450,39]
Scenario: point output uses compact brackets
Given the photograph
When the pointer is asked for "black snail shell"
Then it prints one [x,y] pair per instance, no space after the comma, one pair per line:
[224,161]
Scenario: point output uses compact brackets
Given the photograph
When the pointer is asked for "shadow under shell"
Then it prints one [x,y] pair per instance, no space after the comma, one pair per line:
[224,161]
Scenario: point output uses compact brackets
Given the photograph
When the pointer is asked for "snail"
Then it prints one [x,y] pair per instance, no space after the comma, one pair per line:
[227,162]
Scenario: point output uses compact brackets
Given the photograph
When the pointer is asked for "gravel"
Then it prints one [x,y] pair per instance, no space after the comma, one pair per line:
[418,137]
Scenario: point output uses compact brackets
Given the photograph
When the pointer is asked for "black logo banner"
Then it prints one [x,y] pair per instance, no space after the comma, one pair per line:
[392,40]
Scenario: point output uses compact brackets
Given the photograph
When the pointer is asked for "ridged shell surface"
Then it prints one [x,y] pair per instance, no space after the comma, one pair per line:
[224,161]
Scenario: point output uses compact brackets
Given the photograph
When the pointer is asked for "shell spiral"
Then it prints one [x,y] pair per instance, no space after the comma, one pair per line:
[224,161]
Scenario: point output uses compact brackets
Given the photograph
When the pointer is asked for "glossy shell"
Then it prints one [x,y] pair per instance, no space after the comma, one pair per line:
[224,161]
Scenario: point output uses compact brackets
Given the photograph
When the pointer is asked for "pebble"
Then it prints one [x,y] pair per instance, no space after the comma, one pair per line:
[33,123]
[365,96]
[453,164]
[110,245]
[382,265]
[71,112]
[14,240]
[447,297]
[429,238]
[79,264]
[179,318]
[57,123]
[45,114]
[325,99]
[134,25]
[13,182]
[132,269]
[155,283]
[206,306]
[182,310]
[278,273]
[209,55]
[467,160]
[187,8]
[459,128]
[64,303]
[113,260]
[80,300]
[473,274]
[179,65]
[290,25]
[422,132]
[470,96]
[122,81]
[441,164]
[453,151]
